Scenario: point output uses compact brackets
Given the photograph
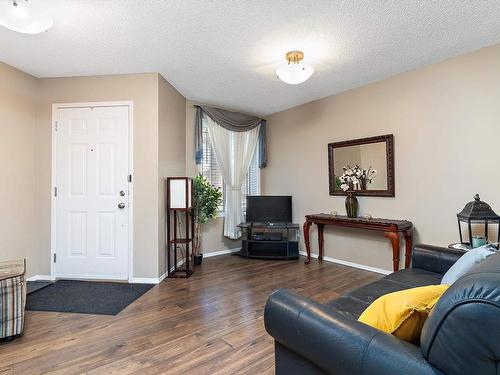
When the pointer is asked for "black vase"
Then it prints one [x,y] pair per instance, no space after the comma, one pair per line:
[351,205]
[197,259]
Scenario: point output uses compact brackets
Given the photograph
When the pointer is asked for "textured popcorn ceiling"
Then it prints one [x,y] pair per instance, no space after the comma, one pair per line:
[226,52]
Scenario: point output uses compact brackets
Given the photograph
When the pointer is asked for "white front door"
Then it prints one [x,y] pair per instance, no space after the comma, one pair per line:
[92,192]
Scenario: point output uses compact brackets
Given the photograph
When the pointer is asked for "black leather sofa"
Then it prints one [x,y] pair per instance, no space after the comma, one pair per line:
[461,336]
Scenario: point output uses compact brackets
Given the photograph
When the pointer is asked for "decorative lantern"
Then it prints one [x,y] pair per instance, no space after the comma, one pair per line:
[180,192]
[477,212]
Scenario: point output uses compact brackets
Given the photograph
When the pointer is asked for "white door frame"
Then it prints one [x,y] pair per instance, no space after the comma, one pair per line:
[53,249]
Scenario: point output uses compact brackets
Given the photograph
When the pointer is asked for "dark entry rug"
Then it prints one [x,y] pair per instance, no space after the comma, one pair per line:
[86,297]
[33,286]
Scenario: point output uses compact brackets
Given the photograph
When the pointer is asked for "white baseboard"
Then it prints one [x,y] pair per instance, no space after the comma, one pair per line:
[145,280]
[328,259]
[134,280]
[91,278]
[221,252]
[350,264]
[39,278]
[162,277]
[157,280]
[153,280]
[149,280]
[179,263]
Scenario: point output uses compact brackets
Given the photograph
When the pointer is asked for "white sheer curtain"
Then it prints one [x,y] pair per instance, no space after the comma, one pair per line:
[233,151]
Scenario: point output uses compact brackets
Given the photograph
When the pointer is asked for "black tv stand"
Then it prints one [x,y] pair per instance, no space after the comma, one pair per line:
[270,240]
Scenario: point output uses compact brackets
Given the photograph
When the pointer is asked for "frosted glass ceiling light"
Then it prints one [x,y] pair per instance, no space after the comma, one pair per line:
[294,72]
[25,16]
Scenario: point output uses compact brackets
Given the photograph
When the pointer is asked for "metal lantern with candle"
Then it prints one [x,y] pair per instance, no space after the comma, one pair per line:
[480,213]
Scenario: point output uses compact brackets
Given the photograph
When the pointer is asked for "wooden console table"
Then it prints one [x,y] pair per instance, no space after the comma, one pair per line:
[391,229]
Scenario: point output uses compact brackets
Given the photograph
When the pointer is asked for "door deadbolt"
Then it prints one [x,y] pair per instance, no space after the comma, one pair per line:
[121,205]
[122,193]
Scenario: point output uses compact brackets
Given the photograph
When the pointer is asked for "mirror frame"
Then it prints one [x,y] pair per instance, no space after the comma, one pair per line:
[389,148]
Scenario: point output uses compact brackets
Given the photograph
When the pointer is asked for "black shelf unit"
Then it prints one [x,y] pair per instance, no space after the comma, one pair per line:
[270,240]
[174,215]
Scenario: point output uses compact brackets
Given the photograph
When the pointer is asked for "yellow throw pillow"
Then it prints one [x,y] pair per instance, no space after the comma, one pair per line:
[403,313]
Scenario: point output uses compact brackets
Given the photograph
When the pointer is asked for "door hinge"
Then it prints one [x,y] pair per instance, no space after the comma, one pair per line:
[55,126]
[129,178]
[55,191]
[55,258]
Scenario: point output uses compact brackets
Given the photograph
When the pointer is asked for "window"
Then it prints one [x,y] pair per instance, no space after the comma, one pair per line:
[209,168]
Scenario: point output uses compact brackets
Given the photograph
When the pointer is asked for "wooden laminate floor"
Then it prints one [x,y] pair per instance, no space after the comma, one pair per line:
[211,323]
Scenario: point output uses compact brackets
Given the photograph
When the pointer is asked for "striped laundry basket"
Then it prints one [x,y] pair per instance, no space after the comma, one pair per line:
[12,298]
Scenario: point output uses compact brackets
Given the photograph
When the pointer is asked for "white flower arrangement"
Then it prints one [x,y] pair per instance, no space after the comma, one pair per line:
[356,178]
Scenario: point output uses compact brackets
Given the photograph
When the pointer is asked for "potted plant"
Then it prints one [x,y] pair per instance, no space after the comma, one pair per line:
[207,200]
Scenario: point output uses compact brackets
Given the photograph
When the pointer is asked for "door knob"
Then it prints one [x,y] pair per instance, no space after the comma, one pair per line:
[121,205]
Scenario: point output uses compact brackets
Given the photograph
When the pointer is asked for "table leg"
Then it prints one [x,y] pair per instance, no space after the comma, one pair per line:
[321,241]
[394,237]
[306,227]
[408,234]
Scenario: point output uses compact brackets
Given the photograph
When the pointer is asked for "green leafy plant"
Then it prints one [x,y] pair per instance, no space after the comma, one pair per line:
[207,200]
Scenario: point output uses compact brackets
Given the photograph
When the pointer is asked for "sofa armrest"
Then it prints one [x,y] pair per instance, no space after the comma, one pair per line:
[337,344]
[434,258]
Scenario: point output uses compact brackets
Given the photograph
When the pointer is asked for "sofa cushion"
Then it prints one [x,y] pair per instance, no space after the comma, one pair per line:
[414,277]
[461,333]
[370,292]
[467,262]
[354,303]
[347,306]
[403,313]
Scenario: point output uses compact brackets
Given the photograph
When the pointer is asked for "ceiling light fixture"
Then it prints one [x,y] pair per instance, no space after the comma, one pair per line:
[294,72]
[25,16]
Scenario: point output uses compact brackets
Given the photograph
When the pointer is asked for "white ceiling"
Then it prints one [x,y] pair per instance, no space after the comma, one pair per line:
[225,52]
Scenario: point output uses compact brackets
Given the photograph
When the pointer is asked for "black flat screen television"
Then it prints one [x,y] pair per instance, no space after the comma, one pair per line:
[269,209]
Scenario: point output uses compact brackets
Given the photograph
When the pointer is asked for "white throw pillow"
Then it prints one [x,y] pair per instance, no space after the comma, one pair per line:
[466,262]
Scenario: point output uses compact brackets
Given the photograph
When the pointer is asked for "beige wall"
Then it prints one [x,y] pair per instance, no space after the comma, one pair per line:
[445,119]
[142,89]
[18,212]
[212,233]
[171,151]
[160,142]
[26,129]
